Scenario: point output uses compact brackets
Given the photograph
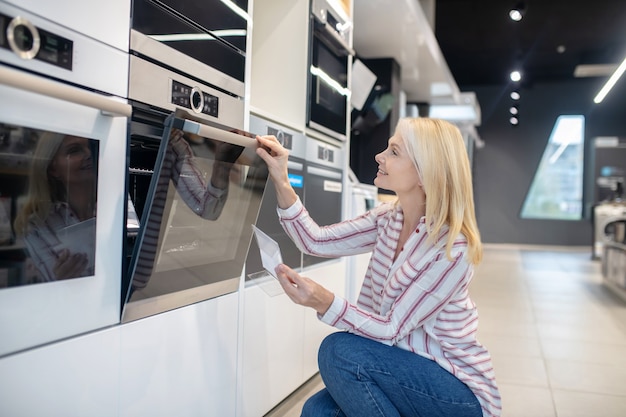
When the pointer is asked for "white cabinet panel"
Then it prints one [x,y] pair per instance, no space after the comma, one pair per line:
[278,80]
[331,275]
[272,348]
[78,377]
[181,363]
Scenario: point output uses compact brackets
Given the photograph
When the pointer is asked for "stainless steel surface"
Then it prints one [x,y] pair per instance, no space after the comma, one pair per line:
[161,53]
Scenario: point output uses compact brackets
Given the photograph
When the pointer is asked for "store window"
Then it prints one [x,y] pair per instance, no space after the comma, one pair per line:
[557,189]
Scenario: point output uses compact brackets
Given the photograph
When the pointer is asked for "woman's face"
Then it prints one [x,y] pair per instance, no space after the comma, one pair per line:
[72,163]
[396,170]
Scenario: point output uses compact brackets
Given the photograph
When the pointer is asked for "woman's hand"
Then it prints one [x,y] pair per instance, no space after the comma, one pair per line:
[70,265]
[303,290]
[277,157]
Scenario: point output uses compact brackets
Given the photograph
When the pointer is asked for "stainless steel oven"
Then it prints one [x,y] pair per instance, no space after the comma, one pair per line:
[62,151]
[330,57]
[323,187]
[268,218]
[194,192]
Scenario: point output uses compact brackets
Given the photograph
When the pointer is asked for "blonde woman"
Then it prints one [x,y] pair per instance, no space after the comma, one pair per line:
[61,193]
[409,345]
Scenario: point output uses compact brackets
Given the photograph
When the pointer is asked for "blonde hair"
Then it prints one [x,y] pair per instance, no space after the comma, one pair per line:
[43,189]
[438,151]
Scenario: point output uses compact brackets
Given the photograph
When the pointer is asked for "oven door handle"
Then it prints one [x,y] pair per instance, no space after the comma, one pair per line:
[40,85]
[235,137]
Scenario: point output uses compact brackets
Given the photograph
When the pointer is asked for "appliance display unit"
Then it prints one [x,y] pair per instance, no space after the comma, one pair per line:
[323,186]
[268,218]
[52,235]
[330,57]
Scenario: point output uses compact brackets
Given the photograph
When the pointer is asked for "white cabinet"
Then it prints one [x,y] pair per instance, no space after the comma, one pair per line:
[272,347]
[278,82]
[331,275]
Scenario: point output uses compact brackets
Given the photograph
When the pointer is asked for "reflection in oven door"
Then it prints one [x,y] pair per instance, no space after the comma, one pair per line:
[204,193]
[322,187]
[268,217]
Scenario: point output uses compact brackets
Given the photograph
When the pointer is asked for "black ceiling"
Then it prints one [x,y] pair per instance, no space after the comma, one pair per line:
[482,45]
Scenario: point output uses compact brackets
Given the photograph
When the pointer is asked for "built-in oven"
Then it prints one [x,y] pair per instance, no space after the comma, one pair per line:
[187,63]
[330,57]
[206,40]
[62,164]
[205,188]
[267,220]
[323,186]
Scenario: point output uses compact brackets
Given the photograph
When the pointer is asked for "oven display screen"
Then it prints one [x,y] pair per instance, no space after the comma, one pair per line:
[194,99]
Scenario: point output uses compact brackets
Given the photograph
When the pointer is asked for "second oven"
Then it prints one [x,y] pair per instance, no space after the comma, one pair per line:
[329,57]
[323,186]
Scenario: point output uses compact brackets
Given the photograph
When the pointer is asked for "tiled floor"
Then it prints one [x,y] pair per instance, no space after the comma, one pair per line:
[557,335]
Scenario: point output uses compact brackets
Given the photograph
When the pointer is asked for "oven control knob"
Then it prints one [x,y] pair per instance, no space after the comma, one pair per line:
[23,38]
[196,99]
[280,136]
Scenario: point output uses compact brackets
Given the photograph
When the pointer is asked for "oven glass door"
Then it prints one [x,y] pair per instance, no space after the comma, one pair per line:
[208,31]
[328,88]
[62,152]
[196,223]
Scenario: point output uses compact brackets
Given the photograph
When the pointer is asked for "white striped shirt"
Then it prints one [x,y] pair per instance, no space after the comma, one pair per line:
[419,302]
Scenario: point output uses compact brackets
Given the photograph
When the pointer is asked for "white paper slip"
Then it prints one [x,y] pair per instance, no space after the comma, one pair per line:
[270,251]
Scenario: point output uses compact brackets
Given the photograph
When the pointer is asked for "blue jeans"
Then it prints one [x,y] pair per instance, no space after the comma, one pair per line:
[365,378]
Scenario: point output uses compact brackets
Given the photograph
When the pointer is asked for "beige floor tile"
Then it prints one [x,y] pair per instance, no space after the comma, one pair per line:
[499,345]
[523,401]
[587,377]
[520,370]
[579,404]
[586,352]
[600,332]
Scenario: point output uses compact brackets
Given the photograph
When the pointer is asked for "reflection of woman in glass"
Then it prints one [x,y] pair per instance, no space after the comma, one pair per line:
[62,193]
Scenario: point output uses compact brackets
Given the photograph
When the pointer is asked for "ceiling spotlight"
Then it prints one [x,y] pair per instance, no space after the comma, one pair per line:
[513,110]
[517,12]
[514,121]
[516,76]
[515,95]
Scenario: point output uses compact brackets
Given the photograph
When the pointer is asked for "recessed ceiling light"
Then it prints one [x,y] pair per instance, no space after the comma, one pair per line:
[515,95]
[517,13]
[516,75]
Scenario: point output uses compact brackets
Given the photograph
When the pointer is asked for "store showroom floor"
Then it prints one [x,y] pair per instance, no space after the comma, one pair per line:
[557,335]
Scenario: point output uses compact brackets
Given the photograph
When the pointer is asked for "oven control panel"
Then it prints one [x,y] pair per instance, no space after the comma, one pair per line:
[27,41]
[194,99]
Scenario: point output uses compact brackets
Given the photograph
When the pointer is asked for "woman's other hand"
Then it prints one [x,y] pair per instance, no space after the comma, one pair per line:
[70,265]
[303,290]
